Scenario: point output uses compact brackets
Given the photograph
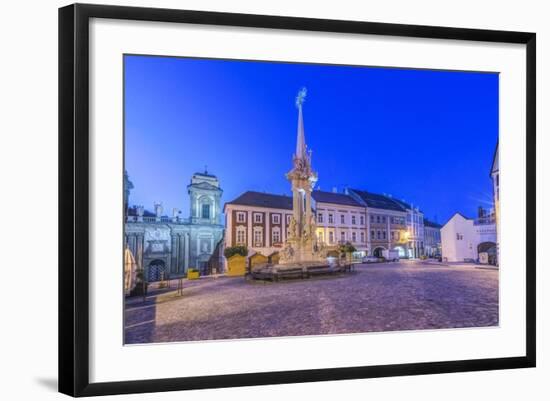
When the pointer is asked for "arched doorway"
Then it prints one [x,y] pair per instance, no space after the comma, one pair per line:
[202,263]
[489,248]
[378,252]
[156,268]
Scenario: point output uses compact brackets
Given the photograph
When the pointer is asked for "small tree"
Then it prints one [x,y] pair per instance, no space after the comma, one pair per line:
[346,249]
[235,250]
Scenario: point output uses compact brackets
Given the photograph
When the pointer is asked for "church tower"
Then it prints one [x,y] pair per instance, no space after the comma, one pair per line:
[204,199]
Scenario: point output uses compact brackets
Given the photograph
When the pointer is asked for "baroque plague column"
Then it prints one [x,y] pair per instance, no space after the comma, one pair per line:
[301,245]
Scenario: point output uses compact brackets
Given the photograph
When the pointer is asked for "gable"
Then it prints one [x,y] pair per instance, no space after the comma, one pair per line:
[495,165]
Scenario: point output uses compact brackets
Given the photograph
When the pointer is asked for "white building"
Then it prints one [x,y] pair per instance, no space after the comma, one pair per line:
[495,177]
[462,239]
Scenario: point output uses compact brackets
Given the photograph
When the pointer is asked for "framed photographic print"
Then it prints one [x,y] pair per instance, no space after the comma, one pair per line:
[250,199]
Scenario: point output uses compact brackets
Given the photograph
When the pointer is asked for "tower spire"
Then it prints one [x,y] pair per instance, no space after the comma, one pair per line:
[301,149]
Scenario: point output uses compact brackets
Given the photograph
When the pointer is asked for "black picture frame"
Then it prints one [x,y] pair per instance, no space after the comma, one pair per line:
[74,198]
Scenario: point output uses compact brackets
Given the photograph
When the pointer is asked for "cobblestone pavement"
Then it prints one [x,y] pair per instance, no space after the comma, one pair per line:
[377,297]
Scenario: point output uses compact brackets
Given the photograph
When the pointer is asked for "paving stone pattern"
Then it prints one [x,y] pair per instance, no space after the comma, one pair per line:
[377,297]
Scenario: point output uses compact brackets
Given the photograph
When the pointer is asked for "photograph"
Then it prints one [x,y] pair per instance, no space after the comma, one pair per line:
[276,199]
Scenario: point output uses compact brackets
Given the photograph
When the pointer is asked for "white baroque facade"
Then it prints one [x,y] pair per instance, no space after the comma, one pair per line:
[167,246]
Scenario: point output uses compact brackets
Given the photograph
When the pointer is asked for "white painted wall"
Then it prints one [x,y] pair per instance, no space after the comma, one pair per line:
[460,238]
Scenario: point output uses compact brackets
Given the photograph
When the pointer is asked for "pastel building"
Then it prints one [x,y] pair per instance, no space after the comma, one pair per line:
[463,238]
[371,222]
[432,238]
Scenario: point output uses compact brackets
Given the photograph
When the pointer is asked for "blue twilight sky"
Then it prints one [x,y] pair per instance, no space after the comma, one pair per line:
[424,136]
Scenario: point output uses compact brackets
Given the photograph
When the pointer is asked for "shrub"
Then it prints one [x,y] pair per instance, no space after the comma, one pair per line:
[347,248]
[235,250]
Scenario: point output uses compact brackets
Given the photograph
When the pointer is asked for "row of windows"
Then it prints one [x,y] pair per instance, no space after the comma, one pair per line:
[321,218]
[432,234]
[257,236]
[259,218]
[276,218]
[343,237]
[382,235]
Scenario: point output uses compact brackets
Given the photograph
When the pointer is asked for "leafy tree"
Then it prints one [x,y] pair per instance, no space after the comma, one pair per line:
[346,248]
[235,250]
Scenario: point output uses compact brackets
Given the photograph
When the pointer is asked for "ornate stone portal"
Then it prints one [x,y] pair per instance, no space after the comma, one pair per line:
[301,247]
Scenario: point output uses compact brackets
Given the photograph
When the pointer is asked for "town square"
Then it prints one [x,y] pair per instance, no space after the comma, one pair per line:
[259,257]
[389,297]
